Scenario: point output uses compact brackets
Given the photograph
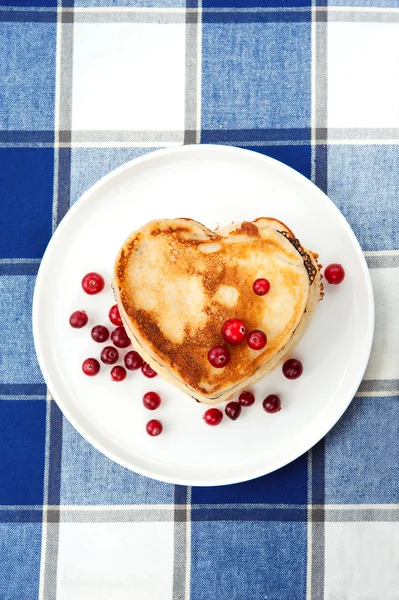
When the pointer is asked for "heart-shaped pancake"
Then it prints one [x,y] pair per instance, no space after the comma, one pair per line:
[176,283]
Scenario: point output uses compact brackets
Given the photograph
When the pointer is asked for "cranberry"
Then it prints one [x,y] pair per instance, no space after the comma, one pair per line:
[213,416]
[334,274]
[114,316]
[109,355]
[148,371]
[78,319]
[292,368]
[154,427]
[219,356]
[119,338]
[151,400]
[93,283]
[233,331]
[246,398]
[118,373]
[100,334]
[133,360]
[233,410]
[271,404]
[256,339]
[90,367]
[261,287]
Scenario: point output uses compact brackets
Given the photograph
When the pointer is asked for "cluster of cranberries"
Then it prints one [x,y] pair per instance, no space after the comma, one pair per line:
[292,369]
[93,283]
[234,332]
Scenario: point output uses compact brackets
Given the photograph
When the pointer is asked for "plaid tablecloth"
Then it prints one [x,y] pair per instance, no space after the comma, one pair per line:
[85,87]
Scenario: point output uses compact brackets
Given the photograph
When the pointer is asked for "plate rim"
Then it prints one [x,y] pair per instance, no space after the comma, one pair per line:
[84,198]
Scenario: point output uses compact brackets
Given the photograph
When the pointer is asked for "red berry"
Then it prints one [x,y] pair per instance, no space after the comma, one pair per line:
[292,368]
[78,319]
[234,331]
[93,283]
[271,403]
[133,360]
[151,400]
[99,333]
[233,410]
[213,416]
[154,427]
[90,367]
[256,339]
[246,398]
[219,356]
[148,371]
[119,338]
[118,373]
[334,274]
[109,355]
[261,287]
[114,316]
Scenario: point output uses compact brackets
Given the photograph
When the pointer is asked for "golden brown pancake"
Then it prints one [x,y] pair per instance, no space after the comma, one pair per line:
[176,283]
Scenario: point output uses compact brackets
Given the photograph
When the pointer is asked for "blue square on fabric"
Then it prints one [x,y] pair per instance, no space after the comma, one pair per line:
[27,70]
[18,361]
[286,4]
[132,3]
[22,446]
[363,182]
[284,486]
[33,3]
[26,183]
[297,157]
[20,547]
[248,561]
[88,477]
[362,454]
[255,76]
[88,165]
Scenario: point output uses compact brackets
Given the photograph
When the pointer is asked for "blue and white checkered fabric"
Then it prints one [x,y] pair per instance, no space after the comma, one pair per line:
[88,85]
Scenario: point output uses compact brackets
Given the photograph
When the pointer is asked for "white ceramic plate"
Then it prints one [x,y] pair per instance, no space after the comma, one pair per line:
[214,185]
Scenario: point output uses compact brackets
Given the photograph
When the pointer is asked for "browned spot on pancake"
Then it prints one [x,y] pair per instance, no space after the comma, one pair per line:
[179,356]
[213,276]
[248,228]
